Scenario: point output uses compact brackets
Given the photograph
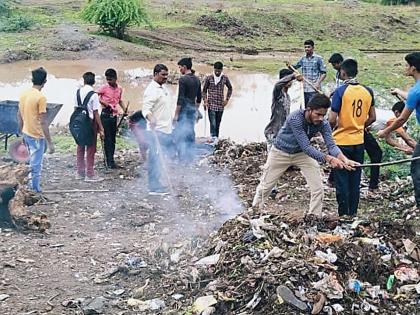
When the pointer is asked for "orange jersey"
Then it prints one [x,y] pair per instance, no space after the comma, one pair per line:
[352,103]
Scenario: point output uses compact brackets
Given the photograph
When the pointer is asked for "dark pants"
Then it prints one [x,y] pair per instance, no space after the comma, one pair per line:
[375,155]
[185,134]
[308,96]
[347,183]
[160,148]
[215,117]
[109,123]
[415,174]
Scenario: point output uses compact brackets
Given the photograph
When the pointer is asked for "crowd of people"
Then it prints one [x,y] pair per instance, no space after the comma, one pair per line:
[342,117]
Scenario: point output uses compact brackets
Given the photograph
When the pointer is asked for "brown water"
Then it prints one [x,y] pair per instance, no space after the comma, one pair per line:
[244,118]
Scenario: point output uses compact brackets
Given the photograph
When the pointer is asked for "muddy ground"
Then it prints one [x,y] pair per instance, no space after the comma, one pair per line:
[93,233]
[115,245]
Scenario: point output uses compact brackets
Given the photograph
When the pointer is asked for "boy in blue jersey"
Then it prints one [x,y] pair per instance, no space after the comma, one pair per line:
[412,69]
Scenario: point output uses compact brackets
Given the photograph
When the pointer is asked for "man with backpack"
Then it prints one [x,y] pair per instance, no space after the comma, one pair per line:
[88,100]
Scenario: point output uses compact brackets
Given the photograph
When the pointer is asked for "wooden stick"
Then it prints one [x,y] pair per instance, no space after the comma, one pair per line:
[304,79]
[73,191]
[390,163]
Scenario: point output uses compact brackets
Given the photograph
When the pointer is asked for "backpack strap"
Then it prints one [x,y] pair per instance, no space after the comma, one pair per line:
[87,98]
[79,100]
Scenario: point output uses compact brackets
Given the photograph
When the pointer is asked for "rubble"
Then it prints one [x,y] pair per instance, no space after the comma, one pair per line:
[328,266]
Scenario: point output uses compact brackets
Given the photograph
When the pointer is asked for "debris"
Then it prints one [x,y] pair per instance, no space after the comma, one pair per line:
[287,296]
[4,297]
[203,303]
[95,306]
[209,260]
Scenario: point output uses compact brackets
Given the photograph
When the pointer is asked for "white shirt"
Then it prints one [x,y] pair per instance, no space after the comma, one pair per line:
[217,78]
[156,101]
[93,103]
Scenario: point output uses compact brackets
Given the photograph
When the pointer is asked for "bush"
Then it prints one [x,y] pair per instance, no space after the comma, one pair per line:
[4,8]
[16,23]
[114,16]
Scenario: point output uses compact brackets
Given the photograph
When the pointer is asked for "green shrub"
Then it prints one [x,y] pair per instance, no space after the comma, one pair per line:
[114,16]
[4,8]
[15,23]
[396,2]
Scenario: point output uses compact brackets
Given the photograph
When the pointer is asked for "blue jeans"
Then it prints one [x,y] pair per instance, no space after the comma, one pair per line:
[158,153]
[185,134]
[215,117]
[36,148]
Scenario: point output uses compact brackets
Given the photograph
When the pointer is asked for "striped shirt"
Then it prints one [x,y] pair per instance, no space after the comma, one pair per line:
[296,134]
[312,68]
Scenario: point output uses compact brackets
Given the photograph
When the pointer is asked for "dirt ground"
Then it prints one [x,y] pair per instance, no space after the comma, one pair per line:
[93,234]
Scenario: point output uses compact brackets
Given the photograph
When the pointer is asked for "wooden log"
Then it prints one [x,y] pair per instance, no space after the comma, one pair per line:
[17,200]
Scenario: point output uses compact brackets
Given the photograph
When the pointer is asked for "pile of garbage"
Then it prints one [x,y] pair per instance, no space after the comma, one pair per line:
[266,264]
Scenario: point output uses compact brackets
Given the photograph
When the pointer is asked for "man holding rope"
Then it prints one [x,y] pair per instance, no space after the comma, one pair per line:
[158,111]
[412,69]
[292,147]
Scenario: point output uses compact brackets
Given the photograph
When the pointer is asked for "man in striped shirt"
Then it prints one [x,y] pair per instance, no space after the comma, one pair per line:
[292,147]
[214,100]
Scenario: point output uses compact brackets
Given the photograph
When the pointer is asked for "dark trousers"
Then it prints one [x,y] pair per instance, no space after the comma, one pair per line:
[308,96]
[160,148]
[347,183]
[215,117]
[109,123]
[185,134]
[375,155]
[415,174]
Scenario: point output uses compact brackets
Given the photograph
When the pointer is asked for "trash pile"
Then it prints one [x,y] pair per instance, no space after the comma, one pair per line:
[276,263]
[267,264]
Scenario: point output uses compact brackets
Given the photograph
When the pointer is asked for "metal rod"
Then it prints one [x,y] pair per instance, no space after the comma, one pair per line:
[304,79]
[390,163]
[104,155]
[74,191]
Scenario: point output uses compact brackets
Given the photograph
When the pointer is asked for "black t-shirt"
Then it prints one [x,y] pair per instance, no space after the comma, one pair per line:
[189,90]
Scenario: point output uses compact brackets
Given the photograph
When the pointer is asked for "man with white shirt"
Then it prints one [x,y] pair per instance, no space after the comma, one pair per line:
[158,111]
[85,165]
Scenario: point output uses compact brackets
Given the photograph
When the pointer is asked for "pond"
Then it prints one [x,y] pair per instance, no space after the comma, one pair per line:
[244,118]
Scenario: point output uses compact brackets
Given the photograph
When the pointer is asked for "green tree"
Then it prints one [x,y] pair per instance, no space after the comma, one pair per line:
[114,16]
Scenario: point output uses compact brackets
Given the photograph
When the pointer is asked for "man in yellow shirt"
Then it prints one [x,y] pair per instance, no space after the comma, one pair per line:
[352,110]
[32,118]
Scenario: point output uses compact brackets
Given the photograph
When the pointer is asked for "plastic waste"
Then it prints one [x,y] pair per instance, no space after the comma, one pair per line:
[328,256]
[355,285]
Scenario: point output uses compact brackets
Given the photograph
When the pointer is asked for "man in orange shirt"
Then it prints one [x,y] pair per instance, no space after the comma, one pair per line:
[352,111]
[410,143]
[32,119]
